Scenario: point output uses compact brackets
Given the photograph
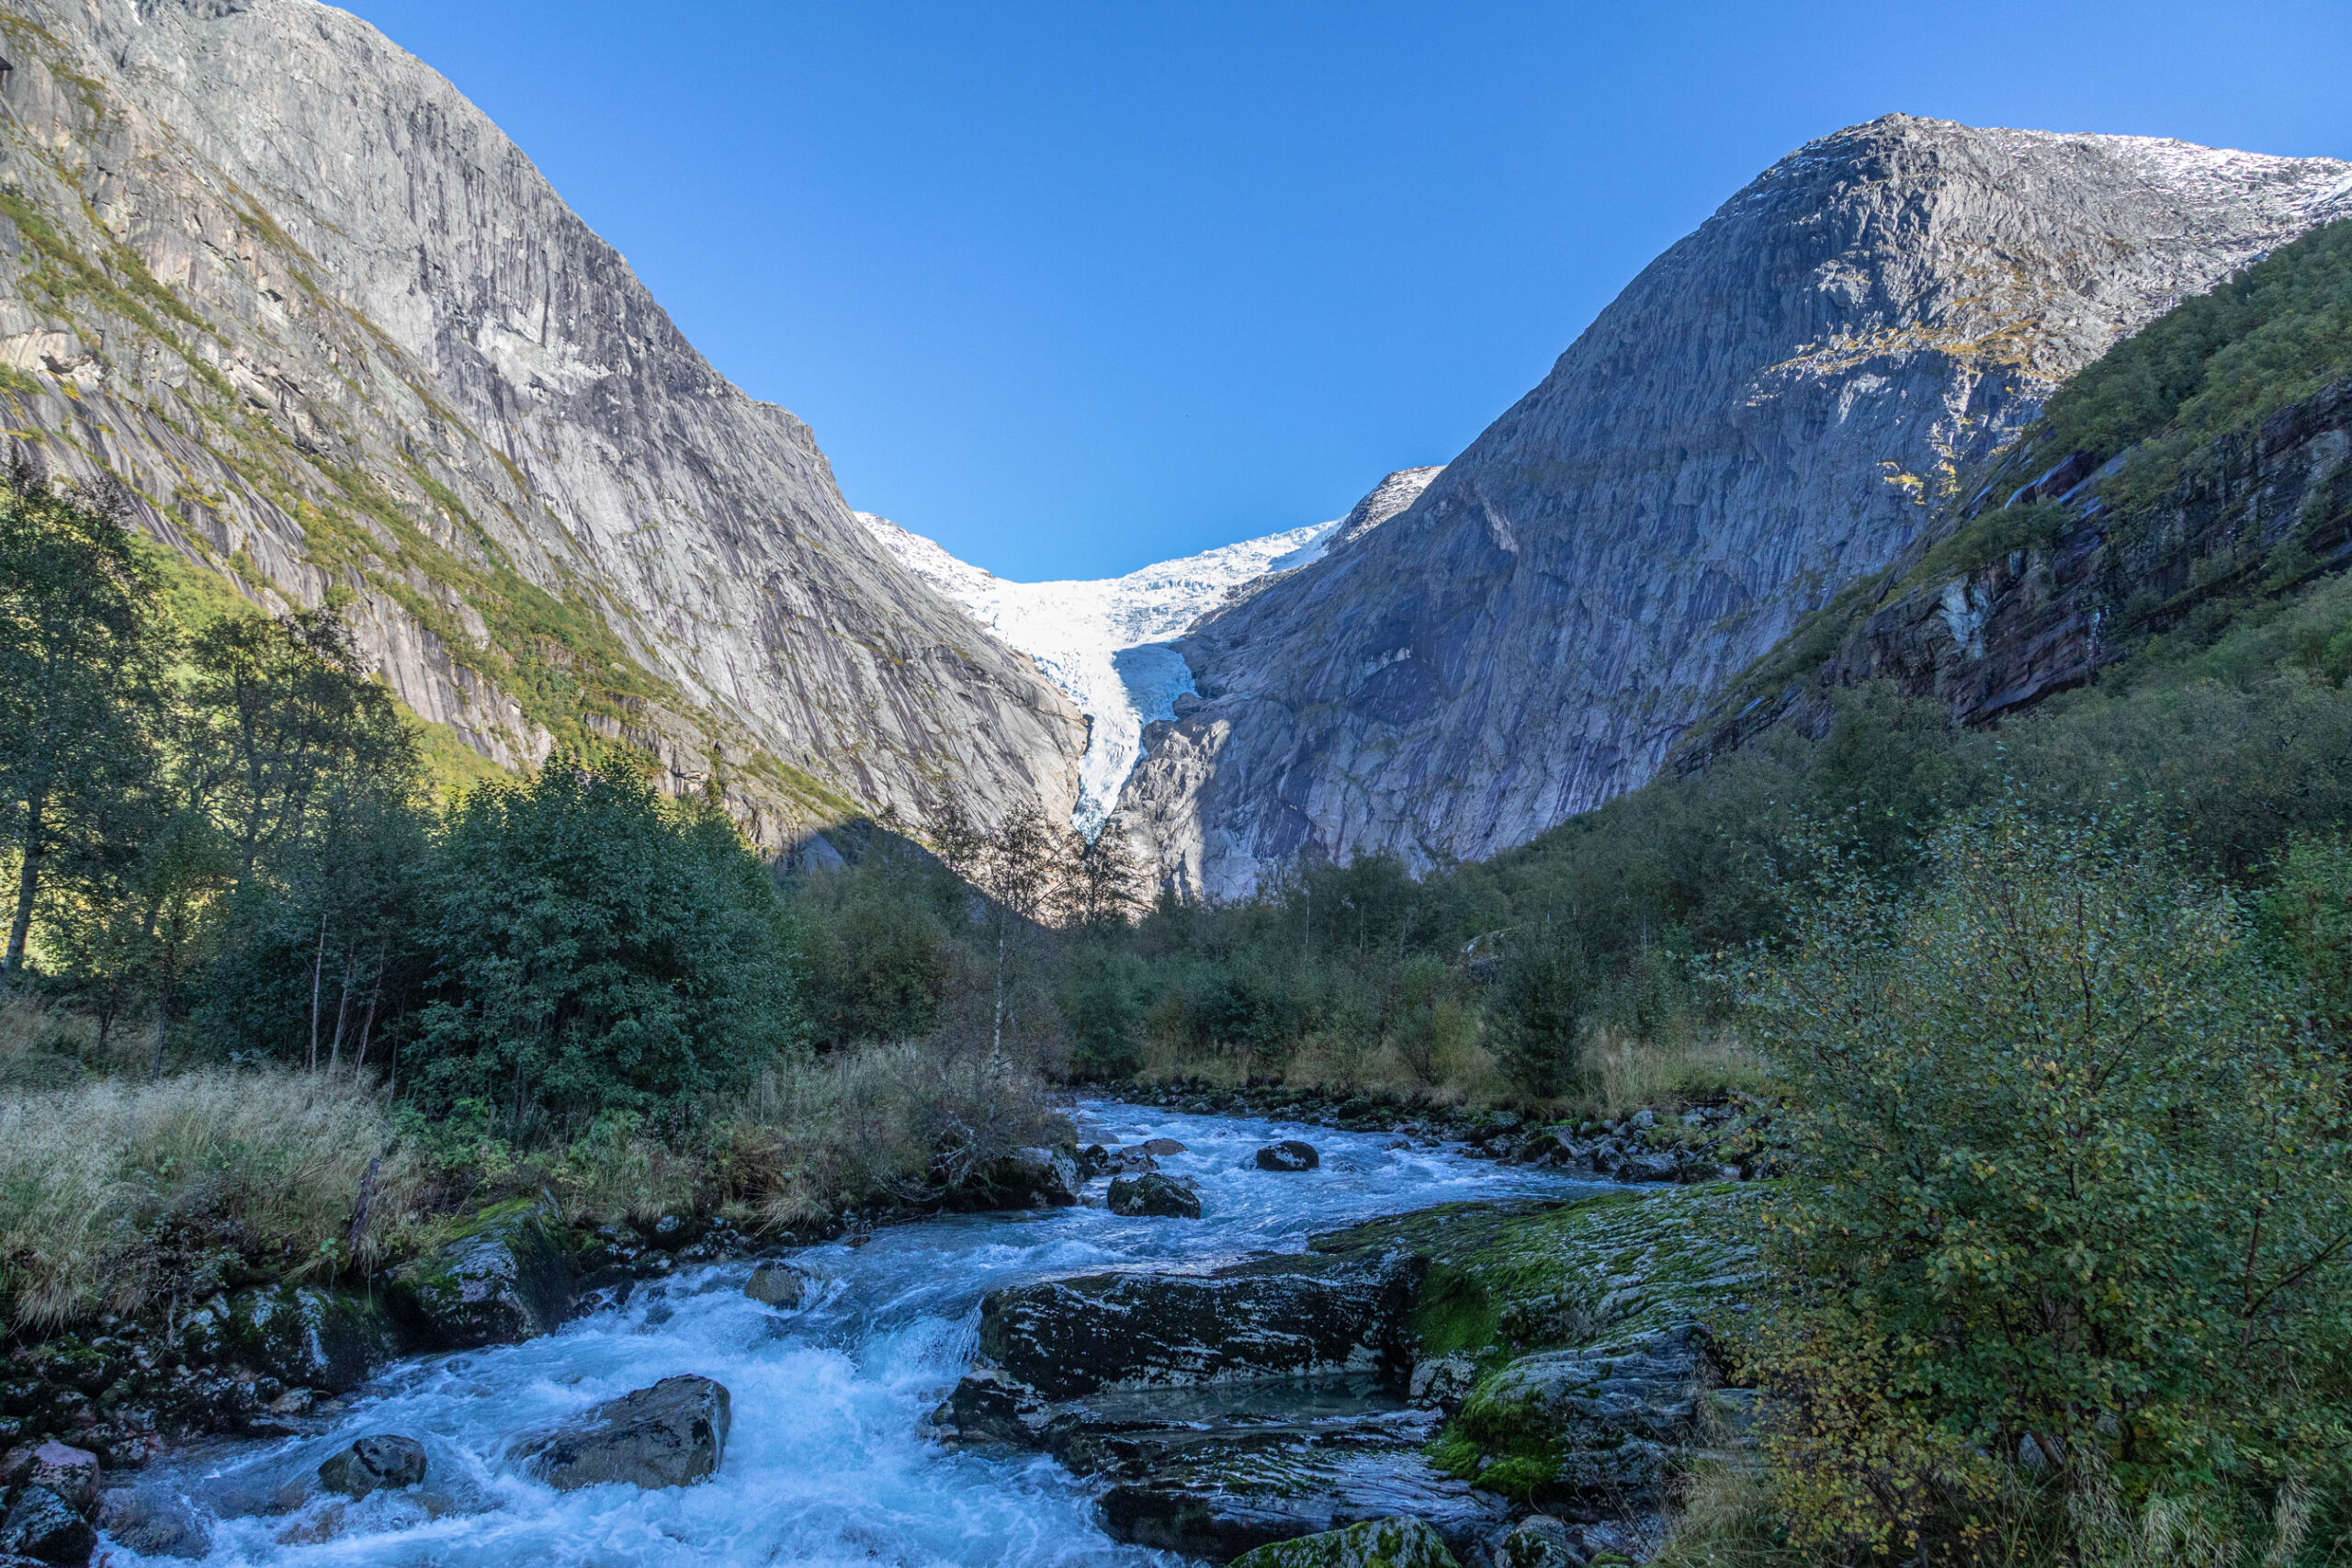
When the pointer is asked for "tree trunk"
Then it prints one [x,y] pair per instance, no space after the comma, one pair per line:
[27,887]
[342,1010]
[316,964]
[163,1025]
[367,1026]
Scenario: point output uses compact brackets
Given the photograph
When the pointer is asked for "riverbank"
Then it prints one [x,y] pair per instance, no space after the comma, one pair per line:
[831,1397]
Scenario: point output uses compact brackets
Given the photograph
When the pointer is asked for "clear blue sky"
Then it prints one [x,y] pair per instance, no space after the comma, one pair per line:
[1074,287]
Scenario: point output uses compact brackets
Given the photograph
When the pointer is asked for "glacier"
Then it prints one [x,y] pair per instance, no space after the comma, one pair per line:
[1108,642]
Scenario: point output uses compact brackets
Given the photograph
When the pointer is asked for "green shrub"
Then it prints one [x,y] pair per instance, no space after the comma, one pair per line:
[2078,1186]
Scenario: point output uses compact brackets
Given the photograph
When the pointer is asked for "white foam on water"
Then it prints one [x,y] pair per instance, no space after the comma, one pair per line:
[828,1460]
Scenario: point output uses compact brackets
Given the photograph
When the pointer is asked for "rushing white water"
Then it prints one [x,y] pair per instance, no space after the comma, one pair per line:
[828,1462]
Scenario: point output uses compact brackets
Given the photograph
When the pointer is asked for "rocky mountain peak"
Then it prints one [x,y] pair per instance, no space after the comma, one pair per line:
[1773,407]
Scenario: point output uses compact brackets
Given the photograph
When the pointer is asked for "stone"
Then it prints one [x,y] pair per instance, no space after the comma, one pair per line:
[1538,1541]
[1443,1382]
[1375,1543]
[1130,1162]
[1277,1317]
[673,1434]
[154,1523]
[70,1472]
[1610,1420]
[1756,421]
[46,1528]
[1160,1147]
[1153,1196]
[1291,1154]
[777,1285]
[309,1336]
[1025,1178]
[481,361]
[507,1280]
[383,1463]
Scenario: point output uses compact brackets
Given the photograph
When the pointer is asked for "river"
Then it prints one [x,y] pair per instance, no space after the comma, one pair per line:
[828,1461]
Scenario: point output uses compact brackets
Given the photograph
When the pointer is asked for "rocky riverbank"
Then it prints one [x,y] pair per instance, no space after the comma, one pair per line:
[1470,1366]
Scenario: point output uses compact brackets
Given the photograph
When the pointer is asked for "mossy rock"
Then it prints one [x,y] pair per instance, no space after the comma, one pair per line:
[504,1276]
[1375,1543]
[309,1336]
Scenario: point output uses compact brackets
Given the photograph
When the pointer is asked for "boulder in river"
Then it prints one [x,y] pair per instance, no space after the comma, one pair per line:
[1609,1422]
[1025,1178]
[385,1462]
[505,1278]
[153,1522]
[1160,1147]
[46,1528]
[1401,1543]
[673,1434]
[777,1285]
[1291,1154]
[1154,1196]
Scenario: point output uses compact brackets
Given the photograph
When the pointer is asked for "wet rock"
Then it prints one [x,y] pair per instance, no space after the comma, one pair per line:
[307,1337]
[1219,1489]
[70,1472]
[1093,1161]
[154,1524]
[1650,1168]
[1153,1196]
[46,1528]
[1025,1178]
[1291,1154]
[507,1280]
[1610,1421]
[1443,1382]
[1160,1147]
[1401,1543]
[1275,1317]
[1130,1162]
[777,1285]
[673,1434]
[383,1463]
[1537,1541]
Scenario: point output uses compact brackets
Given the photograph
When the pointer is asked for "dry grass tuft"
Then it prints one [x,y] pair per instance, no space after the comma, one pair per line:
[97,1179]
[1629,1073]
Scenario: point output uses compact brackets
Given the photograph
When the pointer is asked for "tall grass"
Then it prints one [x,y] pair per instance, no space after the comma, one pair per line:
[113,1191]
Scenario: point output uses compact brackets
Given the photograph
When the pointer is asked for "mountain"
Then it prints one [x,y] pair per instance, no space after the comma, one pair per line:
[1105,642]
[340,340]
[1772,408]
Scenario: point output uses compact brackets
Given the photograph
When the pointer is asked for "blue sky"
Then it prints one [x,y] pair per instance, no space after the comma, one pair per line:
[1075,288]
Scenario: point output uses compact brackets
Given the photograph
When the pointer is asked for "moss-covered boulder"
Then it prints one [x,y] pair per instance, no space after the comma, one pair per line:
[1375,1543]
[308,1335]
[1154,1197]
[504,1276]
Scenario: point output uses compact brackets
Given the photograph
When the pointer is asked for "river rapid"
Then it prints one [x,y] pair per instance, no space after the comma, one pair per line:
[828,1461]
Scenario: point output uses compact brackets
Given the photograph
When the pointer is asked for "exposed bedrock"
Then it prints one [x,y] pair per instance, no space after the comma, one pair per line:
[1774,407]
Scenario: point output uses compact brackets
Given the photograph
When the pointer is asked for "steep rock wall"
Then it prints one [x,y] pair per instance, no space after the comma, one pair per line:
[1774,407]
[338,337]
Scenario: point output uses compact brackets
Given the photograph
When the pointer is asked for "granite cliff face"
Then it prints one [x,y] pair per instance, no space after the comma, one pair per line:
[1775,406]
[339,338]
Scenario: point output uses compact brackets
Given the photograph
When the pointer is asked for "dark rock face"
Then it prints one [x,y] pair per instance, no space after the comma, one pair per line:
[1272,1318]
[1770,410]
[1289,1155]
[1538,1541]
[777,1285]
[507,1281]
[44,1527]
[1025,1178]
[1616,1419]
[1155,1195]
[1375,1543]
[309,1337]
[69,1471]
[673,1434]
[384,1462]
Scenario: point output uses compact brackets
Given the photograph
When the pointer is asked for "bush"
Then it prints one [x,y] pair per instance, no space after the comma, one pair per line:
[595,950]
[2079,1189]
